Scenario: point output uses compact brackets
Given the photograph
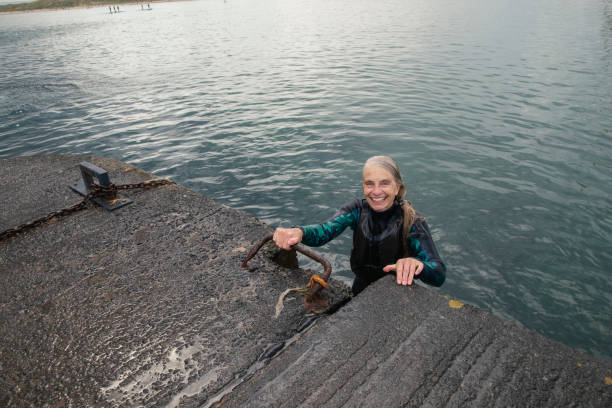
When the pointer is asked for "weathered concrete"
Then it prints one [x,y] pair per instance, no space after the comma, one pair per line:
[397,347]
[147,306]
[141,306]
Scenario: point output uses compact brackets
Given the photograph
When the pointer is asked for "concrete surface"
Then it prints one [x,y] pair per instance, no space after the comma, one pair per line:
[143,306]
[147,306]
[397,347]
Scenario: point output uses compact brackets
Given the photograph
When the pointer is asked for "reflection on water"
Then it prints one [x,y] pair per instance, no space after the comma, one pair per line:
[497,112]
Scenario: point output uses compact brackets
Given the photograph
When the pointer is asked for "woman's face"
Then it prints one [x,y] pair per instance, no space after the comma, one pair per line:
[379,188]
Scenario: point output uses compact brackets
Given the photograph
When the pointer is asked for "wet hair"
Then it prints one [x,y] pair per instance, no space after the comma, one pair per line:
[408,210]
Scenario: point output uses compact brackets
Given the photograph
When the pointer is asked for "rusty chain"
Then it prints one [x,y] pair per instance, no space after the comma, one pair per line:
[98,191]
[143,184]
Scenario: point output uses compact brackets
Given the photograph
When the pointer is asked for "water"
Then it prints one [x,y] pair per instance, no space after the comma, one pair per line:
[498,114]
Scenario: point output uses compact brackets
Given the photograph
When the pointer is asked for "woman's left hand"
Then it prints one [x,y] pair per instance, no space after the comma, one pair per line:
[405,270]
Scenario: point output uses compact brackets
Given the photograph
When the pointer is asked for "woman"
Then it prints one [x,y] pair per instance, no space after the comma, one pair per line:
[388,235]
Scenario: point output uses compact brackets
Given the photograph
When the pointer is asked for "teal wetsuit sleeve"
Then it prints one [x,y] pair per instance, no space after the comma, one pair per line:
[320,234]
[422,247]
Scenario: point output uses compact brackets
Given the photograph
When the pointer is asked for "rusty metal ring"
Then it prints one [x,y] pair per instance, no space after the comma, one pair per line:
[316,287]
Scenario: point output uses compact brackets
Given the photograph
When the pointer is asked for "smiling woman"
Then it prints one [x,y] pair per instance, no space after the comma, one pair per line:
[387,234]
[379,187]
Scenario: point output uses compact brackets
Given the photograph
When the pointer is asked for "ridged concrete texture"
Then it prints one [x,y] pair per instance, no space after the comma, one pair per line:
[397,347]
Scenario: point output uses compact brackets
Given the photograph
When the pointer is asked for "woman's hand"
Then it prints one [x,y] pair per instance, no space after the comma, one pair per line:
[285,238]
[405,270]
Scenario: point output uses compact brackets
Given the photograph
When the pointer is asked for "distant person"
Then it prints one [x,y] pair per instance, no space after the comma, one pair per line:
[388,235]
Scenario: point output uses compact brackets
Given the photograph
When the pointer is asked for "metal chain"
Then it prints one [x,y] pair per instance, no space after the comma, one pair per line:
[143,184]
[98,191]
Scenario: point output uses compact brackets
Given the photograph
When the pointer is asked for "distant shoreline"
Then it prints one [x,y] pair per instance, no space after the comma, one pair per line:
[88,6]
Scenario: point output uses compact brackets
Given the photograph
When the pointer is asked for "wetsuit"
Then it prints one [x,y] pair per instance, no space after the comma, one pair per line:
[377,242]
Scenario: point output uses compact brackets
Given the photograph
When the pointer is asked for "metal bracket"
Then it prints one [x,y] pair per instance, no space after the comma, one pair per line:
[83,187]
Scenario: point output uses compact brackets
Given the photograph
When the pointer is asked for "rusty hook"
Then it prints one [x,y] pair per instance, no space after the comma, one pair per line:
[310,299]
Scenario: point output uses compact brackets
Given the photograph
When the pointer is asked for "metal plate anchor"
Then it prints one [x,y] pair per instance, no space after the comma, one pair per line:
[84,186]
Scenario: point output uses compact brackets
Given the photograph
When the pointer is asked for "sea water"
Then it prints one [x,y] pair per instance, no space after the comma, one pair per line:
[498,113]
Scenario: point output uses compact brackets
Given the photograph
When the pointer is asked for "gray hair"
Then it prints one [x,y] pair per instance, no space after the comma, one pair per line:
[408,210]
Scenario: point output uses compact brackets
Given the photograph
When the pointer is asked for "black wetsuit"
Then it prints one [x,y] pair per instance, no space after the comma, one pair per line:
[377,242]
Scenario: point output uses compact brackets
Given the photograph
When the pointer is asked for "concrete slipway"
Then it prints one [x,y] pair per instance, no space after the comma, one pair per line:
[148,306]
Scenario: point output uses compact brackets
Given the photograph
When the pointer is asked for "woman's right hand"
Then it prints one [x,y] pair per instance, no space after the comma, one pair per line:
[285,238]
